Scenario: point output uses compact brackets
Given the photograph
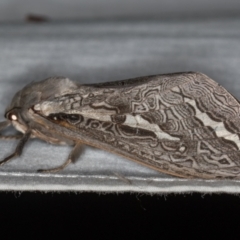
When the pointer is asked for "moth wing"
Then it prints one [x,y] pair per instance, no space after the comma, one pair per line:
[181,124]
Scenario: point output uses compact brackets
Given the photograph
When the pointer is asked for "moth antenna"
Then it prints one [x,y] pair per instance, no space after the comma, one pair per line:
[71,158]
[19,148]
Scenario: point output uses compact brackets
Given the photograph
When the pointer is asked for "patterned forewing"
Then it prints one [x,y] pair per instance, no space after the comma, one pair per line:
[182,124]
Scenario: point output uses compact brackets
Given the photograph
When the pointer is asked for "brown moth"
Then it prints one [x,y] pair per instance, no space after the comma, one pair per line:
[183,124]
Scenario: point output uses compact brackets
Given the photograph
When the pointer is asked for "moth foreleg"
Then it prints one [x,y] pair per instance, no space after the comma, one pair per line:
[4,125]
[71,158]
[19,148]
[7,137]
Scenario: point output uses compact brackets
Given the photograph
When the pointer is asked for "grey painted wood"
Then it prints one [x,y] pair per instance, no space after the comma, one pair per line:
[103,51]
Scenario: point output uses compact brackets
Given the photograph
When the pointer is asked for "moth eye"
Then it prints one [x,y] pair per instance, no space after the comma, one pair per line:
[12,117]
[91,95]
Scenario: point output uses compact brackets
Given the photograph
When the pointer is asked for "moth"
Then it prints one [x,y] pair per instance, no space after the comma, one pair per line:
[182,124]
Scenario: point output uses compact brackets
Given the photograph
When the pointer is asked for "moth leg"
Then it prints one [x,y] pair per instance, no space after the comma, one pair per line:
[4,125]
[71,158]
[7,137]
[19,148]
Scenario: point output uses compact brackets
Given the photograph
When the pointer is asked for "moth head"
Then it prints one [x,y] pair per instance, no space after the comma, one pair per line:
[18,112]
[12,115]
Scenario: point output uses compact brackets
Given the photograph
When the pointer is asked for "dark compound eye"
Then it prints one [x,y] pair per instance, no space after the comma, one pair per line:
[11,116]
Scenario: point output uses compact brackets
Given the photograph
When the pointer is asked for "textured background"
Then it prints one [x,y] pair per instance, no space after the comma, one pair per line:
[12,10]
[124,43]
